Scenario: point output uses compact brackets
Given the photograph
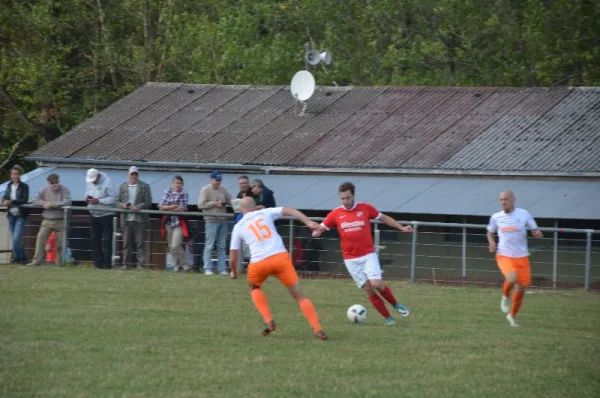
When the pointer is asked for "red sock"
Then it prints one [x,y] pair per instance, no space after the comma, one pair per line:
[379,305]
[516,302]
[387,294]
[506,288]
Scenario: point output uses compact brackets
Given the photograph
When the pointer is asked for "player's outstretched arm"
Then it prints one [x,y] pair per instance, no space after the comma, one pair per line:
[234,257]
[537,234]
[291,212]
[389,221]
[491,237]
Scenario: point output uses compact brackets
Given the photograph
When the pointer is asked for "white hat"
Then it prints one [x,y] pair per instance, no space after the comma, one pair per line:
[92,174]
[133,169]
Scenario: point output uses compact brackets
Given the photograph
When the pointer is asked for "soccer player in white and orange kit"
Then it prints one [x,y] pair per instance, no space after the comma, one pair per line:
[268,256]
[353,222]
[512,252]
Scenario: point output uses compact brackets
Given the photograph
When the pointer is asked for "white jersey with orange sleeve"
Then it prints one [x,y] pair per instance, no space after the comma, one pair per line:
[512,232]
[258,230]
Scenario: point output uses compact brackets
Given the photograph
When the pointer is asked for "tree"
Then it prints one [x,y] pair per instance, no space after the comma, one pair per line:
[62,61]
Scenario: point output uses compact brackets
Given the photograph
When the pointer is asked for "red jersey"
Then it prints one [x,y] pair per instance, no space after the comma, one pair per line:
[354,227]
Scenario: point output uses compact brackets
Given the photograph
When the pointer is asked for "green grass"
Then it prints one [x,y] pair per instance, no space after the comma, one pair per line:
[72,332]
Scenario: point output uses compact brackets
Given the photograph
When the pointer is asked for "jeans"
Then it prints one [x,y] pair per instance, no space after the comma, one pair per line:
[16,225]
[101,237]
[215,232]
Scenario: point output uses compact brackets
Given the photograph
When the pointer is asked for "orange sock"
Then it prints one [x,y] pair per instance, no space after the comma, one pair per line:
[506,288]
[262,304]
[516,302]
[310,313]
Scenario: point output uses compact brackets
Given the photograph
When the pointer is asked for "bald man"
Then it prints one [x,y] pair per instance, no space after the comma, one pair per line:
[512,252]
[268,256]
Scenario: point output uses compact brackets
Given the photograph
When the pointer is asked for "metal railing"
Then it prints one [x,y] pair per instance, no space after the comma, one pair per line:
[434,252]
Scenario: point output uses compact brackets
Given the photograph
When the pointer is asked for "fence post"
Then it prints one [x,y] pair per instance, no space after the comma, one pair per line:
[413,253]
[114,242]
[555,256]
[464,252]
[377,235]
[64,239]
[588,260]
[291,237]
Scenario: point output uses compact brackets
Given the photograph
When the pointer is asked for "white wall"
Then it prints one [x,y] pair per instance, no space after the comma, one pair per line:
[5,243]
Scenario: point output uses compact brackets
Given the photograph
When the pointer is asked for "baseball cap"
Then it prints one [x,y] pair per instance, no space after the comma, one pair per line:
[92,174]
[216,175]
[133,169]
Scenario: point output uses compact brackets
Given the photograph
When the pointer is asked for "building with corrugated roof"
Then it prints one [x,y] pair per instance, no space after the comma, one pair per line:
[410,150]
[419,153]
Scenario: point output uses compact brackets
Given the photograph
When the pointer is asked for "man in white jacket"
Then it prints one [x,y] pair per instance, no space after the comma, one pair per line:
[100,197]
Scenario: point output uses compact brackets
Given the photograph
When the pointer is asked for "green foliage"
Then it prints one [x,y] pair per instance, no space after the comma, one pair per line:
[62,61]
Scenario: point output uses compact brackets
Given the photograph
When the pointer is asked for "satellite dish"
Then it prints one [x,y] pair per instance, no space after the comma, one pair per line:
[303,85]
[314,58]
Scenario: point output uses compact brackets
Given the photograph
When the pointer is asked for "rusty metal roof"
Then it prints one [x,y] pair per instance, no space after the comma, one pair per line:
[421,128]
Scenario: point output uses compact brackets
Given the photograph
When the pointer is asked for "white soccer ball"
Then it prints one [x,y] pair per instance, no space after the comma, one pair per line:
[357,313]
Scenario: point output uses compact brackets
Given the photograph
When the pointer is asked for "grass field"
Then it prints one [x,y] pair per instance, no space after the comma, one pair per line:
[71,332]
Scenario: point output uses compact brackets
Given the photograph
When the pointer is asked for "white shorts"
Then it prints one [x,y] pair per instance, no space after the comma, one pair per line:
[364,268]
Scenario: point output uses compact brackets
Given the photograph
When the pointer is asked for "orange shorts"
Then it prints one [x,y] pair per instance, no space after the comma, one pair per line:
[279,265]
[518,265]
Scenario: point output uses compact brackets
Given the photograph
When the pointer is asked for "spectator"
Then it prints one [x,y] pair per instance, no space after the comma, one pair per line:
[134,195]
[213,198]
[51,198]
[16,194]
[100,197]
[264,196]
[245,189]
[175,199]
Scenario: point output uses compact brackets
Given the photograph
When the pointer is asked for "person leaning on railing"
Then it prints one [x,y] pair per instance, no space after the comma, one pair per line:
[100,197]
[214,198]
[16,194]
[174,228]
[52,198]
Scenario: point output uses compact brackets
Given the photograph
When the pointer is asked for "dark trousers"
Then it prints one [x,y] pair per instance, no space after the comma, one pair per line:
[101,236]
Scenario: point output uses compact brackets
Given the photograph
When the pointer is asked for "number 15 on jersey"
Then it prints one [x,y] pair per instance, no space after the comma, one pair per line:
[260,230]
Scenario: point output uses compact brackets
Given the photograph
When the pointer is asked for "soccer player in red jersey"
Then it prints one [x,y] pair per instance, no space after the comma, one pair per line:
[353,222]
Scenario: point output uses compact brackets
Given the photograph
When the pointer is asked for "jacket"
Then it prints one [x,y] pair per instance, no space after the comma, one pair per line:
[143,200]
[105,192]
[266,198]
[182,223]
[22,198]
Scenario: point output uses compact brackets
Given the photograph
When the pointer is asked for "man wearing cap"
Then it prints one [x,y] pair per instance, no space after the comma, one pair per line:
[212,199]
[134,195]
[100,197]
[52,198]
